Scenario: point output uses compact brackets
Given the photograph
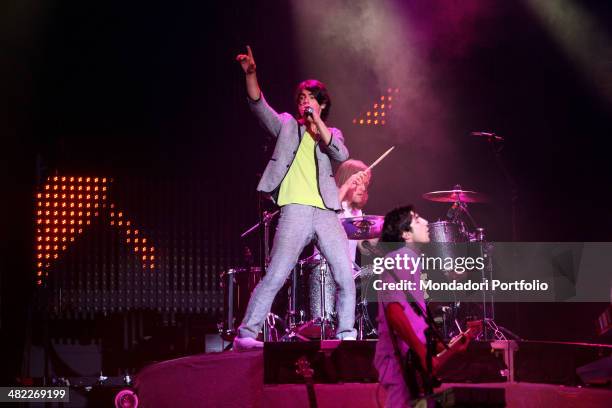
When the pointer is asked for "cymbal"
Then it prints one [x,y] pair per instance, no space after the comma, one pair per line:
[456,196]
[363,227]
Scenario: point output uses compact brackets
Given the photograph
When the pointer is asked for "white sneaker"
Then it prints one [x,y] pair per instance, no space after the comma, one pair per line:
[247,343]
[348,338]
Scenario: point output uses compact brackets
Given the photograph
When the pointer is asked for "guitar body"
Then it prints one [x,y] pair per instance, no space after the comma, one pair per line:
[418,379]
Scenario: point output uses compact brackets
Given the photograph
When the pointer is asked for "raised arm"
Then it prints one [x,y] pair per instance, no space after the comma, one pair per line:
[268,117]
[247,62]
[361,177]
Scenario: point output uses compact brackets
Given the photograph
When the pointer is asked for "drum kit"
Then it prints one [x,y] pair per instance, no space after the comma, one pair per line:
[311,289]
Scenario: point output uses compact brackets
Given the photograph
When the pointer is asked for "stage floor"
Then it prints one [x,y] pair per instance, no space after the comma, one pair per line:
[232,379]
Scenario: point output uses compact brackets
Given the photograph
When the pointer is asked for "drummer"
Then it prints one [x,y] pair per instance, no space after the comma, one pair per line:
[353,180]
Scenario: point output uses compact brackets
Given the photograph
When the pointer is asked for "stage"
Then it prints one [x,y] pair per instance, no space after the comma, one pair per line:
[236,379]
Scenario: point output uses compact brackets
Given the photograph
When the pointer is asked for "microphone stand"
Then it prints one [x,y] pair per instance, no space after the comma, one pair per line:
[496,150]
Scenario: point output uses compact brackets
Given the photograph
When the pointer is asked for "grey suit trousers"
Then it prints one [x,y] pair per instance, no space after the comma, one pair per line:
[297,227]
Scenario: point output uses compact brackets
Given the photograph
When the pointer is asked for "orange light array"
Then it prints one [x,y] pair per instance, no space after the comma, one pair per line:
[377,115]
[133,238]
[65,207]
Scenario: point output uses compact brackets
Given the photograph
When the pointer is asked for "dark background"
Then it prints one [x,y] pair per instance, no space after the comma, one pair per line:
[150,95]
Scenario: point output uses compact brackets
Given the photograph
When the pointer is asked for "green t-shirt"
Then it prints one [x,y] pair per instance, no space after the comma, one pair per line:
[300,185]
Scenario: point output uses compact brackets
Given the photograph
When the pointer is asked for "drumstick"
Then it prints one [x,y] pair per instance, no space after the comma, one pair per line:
[382,156]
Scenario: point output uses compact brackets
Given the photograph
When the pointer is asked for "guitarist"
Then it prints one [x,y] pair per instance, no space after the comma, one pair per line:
[401,348]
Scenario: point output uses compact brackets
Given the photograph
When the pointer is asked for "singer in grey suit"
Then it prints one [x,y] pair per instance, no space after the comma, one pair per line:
[300,179]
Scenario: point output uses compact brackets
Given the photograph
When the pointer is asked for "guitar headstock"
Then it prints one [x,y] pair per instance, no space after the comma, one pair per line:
[303,368]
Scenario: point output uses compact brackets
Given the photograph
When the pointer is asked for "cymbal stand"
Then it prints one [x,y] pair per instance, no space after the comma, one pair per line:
[324,318]
[490,329]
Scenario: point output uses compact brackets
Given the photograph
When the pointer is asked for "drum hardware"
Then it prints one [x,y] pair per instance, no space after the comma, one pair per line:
[363,227]
[365,324]
[237,285]
[455,231]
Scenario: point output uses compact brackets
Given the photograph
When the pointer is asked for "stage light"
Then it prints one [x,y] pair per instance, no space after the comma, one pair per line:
[71,217]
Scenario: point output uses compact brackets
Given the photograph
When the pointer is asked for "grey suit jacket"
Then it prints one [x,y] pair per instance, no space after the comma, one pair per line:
[288,135]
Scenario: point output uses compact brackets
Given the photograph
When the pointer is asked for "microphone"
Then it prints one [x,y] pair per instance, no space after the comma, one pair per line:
[490,135]
[308,111]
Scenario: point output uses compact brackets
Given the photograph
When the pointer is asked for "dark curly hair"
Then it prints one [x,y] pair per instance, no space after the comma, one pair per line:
[396,222]
[319,91]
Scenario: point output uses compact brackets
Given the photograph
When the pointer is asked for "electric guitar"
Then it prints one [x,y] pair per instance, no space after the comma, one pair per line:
[303,369]
[418,379]
[459,343]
